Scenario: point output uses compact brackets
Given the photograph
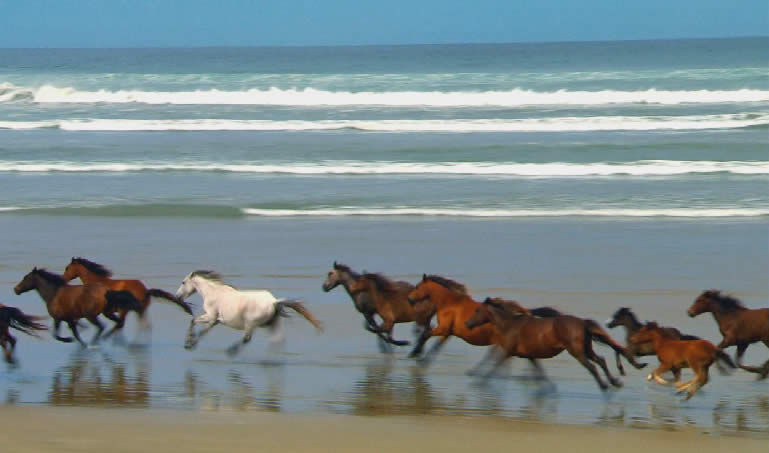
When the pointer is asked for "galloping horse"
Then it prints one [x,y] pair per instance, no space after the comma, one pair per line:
[70,303]
[676,354]
[541,338]
[625,317]
[453,306]
[739,326]
[12,317]
[240,310]
[374,294]
[92,273]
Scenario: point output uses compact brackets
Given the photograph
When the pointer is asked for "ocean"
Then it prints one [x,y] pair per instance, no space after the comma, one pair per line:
[587,176]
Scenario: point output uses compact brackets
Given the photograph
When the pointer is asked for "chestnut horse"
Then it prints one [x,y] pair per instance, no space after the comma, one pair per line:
[388,300]
[12,317]
[70,303]
[454,307]
[676,354]
[93,273]
[625,317]
[542,338]
[739,326]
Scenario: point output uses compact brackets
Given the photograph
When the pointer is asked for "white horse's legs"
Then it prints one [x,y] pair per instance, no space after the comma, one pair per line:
[192,339]
[232,350]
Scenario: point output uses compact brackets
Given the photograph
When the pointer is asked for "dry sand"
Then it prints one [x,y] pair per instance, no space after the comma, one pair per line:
[83,430]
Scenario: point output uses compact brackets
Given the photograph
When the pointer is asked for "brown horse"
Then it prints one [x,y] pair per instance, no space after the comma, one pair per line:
[543,338]
[71,303]
[374,294]
[676,354]
[739,326]
[93,273]
[625,317]
[454,307]
[12,317]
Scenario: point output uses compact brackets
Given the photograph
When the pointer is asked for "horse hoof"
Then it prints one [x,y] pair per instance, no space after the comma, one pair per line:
[617,383]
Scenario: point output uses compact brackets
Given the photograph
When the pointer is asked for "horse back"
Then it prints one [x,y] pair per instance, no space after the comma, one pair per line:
[135,287]
[685,351]
[78,301]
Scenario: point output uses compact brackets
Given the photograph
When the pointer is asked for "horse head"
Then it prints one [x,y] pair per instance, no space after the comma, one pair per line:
[703,303]
[27,283]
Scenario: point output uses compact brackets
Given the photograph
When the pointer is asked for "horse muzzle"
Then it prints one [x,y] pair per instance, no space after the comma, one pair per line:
[691,313]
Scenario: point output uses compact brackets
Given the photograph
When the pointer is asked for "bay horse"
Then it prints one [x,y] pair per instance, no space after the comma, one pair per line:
[740,326]
[674,354]
[527,336]
[70,303]
[388,301]
[625,317]
[13,318]
[239,309]
[94,273]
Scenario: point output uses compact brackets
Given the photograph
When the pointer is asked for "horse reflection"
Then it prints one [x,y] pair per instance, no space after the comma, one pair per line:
[240,395]
[96,380]
[381,391]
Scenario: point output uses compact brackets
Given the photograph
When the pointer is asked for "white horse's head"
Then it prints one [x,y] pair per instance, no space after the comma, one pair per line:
[187,288]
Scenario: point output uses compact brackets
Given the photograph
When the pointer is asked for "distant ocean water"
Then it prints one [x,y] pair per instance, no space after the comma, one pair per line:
[614,129]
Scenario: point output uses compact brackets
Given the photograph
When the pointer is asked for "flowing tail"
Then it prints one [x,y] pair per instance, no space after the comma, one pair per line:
[15,318]
[154,292]
[297,306]
[597,333]
[125,300]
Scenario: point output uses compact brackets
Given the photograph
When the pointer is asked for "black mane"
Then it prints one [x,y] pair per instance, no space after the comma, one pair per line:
[346,268]
[50,277]
[96,268]
[381,283]
[211,276]
[447,283]
[724,301]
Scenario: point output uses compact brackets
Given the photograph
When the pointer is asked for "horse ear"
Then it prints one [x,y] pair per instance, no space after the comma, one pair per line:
[34,269]
[424,277]
[334,263]
[487,300]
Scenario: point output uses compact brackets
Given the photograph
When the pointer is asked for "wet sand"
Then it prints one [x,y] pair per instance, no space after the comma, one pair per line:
[83,430]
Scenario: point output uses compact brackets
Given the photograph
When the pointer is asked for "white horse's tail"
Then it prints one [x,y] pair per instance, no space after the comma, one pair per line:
[297,306]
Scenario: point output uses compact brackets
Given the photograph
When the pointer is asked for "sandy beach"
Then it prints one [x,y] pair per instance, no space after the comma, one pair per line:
[86,430]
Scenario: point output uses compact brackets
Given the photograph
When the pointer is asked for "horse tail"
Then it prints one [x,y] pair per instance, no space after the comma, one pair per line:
[125,300]
[596,332]
[297,306]
[15,318]
[154,292]
[545,312]
[690,337]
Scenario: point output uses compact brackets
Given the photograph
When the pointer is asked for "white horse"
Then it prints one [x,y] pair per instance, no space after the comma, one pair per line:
[241,310]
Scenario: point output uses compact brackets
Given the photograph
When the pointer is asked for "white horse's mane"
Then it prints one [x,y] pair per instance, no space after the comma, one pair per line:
[211,276]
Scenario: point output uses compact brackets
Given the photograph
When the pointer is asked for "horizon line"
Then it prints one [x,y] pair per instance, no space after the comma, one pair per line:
[480,43]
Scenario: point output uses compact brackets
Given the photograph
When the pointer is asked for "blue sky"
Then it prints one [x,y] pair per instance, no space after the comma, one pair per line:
[161,23]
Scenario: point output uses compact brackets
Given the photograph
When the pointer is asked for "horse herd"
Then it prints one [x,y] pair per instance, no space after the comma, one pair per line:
[510,329]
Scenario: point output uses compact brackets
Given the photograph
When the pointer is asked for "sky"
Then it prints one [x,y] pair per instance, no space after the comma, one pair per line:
[192,23]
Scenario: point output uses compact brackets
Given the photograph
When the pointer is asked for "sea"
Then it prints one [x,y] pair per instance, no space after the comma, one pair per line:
[582,175]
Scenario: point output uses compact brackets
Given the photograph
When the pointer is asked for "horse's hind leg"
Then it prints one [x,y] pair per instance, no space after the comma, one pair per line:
[581,356]
[490,353]
[73,327]
[119,321]
[232,350]
[619,363]
[99,328]
[420,343]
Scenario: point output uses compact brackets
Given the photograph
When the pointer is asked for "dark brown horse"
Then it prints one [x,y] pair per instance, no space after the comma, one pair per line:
[542,338]
[677,354]
[375,294]
[13,318]
[739,326]
[625,317]
[70,303]
[92,273]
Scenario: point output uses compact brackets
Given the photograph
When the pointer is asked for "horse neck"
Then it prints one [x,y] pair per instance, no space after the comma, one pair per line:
[348,279]
[631,323]
[722,315]
[46,290]
[446,297]
[89,278]
[206,288]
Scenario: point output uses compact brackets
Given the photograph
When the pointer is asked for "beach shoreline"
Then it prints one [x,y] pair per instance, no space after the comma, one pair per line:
[77,429]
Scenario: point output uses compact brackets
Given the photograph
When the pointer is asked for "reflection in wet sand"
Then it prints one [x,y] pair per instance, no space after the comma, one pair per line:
[93,378]
[241,394]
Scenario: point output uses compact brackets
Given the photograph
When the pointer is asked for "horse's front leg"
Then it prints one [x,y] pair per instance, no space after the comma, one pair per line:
[119,321]
[73,327]
[192,340]
[56,325]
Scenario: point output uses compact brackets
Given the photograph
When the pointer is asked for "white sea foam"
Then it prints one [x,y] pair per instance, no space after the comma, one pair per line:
[438,212]
[558,124]
[497,169]
[317,97]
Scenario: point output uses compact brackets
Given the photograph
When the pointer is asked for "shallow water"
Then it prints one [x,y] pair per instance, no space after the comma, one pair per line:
[586,267]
